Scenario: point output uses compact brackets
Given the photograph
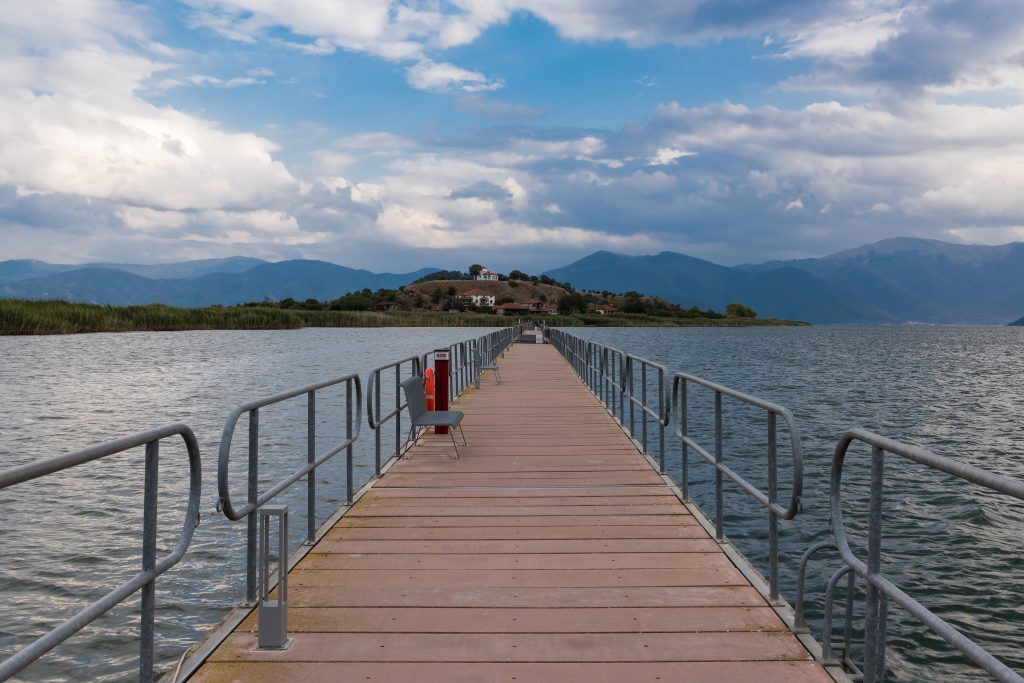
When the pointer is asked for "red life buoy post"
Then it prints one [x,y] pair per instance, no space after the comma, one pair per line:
[441,359]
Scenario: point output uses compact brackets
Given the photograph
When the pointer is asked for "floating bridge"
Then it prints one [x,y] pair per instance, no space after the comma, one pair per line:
[555,548]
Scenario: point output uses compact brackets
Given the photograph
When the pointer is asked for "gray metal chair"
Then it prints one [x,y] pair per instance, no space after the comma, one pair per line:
[421,417]
[487,366]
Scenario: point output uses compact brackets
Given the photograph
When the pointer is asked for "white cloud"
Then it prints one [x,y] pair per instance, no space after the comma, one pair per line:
[795,205]
[74,124]
[666,156]
[444,77]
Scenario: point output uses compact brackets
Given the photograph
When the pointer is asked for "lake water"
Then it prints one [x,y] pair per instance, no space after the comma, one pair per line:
[69,538]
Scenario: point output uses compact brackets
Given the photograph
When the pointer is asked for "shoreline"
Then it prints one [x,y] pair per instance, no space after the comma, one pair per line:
[22,318]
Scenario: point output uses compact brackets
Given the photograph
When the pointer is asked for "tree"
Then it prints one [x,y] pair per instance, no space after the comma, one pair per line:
[571,303]
[475,269]
[739,311]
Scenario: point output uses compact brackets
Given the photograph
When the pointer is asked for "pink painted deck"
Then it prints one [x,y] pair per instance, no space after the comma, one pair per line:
[550,551]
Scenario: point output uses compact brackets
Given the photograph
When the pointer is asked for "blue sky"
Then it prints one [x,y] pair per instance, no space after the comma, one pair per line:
[519,133]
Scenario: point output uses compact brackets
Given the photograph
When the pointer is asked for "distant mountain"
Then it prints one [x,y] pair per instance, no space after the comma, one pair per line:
[297,279]
[26,268]
[1017,323]
[892,281]
[781,292]
[186,269]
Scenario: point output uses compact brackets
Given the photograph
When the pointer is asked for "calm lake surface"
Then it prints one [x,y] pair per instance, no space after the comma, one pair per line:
[70,538]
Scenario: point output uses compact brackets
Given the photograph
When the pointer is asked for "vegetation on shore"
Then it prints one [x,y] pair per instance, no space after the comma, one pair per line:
[19,317]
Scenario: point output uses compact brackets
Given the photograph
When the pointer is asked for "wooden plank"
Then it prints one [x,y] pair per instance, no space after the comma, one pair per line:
[475,562]
[266,671]
[566,596]
[524,647]
[537,620]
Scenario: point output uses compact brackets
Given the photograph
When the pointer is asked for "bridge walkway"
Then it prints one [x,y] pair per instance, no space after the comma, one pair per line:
[550,551]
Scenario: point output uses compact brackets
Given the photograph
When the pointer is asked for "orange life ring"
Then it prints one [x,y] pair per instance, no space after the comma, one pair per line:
[428,387]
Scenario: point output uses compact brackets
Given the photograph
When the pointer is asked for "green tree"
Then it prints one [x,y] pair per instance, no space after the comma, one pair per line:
[475,269]
[739,311]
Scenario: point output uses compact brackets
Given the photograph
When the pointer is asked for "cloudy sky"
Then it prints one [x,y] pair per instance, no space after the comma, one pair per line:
[518,133]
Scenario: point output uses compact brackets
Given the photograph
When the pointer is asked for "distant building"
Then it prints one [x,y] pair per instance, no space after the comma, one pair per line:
[487,275]
[601,309]
[478,297]
[527,308]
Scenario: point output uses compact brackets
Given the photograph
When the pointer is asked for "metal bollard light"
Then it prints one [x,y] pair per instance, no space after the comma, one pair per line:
[273,618]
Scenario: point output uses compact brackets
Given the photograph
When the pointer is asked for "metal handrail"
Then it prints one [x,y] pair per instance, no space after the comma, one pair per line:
[879,589]
[769,500]
[151,566]
[373,409]
[255,499]
[664,413]
[614,383]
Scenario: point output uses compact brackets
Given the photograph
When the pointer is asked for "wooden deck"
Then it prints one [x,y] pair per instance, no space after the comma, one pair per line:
[551,551]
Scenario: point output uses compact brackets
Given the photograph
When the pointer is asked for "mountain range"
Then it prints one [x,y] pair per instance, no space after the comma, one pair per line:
[900,280]
[197,283]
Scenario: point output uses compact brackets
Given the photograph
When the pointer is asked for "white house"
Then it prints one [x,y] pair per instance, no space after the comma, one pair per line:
[478,297]
[487,275]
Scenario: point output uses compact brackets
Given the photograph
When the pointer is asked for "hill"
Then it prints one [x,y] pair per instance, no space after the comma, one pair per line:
[892,281]
[1017,323]
[297,279]
[512,291]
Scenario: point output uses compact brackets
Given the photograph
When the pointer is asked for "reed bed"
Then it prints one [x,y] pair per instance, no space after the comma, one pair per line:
[20,317]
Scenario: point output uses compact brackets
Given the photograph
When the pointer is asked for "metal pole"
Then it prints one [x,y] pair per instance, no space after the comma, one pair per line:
[374,386]
[643,393]
[149,561]
[632,403]
[254,466]
[684,429]
[661,422]
[348,437]
[398,413]
[719,511]
[310,458]
[773,517]
[874,658]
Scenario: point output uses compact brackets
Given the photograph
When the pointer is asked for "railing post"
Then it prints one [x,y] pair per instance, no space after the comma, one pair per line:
[310,458]
[684,429]
[398,413]
[348,436]
[643,404]
[773,517]
[622,388]
[253,493]
[632,403]
[273,614]
[719,505]
[373,386]
[874,605]
[149,517]
[661,421]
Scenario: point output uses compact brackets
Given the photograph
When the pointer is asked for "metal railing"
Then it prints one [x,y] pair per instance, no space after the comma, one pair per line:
[145,580]
[375,418]
[878,589]
[613,377]
[663,414]
[623,382]
[254,498]
[769,500]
